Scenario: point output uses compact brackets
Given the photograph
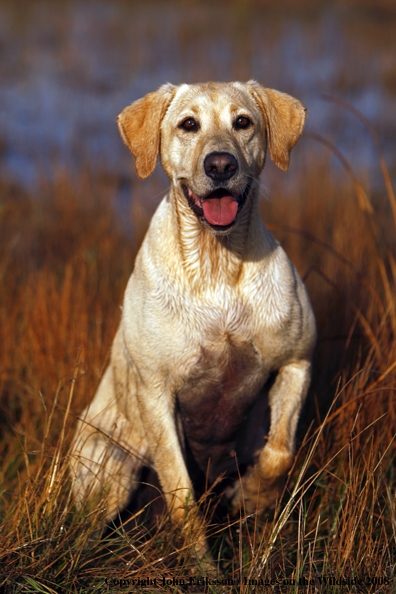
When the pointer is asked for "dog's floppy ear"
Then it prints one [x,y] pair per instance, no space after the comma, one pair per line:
[139,125]
[284,119]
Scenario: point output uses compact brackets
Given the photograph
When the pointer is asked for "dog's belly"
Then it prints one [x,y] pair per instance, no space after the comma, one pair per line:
[216,398]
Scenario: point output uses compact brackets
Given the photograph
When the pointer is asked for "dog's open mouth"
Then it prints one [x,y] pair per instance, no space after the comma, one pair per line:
[219,208]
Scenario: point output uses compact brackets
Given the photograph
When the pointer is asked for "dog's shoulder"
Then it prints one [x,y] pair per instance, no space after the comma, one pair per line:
[279,299]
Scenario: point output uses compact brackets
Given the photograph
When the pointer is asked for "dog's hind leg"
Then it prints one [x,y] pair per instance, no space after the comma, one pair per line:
[109,450]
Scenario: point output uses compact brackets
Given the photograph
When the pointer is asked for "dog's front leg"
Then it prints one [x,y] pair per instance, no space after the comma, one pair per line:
[286,398]
[157,410]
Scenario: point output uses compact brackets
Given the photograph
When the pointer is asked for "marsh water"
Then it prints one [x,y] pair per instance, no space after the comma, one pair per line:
[68,68]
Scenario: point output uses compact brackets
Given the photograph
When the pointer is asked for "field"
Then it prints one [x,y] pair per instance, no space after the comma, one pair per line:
[65,258]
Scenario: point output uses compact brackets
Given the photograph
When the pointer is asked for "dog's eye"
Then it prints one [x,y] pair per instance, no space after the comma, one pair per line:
[189,124]
[242,122]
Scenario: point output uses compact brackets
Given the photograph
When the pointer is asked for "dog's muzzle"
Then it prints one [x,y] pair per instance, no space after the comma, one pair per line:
[220,166]
[218,209]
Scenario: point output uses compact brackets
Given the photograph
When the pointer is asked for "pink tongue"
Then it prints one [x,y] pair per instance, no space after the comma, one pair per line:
[220,211]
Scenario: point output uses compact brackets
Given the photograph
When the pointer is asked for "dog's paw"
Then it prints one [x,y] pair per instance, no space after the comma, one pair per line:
[254,496]
[204,562]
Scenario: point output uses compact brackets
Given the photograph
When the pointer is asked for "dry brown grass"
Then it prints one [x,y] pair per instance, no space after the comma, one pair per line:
[64,263]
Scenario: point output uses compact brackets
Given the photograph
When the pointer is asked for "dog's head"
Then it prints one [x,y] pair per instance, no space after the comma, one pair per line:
[213,139]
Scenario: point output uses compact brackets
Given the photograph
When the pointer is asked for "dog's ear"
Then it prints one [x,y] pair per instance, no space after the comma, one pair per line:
[284,119]
[139,125]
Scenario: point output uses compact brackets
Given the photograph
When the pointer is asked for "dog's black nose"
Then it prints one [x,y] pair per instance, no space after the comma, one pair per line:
[220,166]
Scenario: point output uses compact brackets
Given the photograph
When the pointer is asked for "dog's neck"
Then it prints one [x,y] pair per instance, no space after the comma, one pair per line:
[210,259]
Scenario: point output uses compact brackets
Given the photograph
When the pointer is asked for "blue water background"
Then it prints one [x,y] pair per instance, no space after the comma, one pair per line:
[68,68]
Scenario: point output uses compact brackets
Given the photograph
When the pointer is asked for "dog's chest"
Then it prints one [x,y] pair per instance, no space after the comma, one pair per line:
[221,376]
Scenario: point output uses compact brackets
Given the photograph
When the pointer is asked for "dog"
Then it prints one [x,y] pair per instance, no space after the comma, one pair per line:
[212,309]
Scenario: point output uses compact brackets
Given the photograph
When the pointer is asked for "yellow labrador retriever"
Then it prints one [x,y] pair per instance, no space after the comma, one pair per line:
[213,307]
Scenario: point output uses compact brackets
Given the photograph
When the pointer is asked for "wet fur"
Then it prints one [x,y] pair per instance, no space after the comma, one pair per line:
[207,317]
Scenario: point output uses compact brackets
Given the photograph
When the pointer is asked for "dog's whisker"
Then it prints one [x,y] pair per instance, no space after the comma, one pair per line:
[265,192]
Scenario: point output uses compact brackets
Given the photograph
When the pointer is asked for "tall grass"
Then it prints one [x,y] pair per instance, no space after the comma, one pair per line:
[64,264]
